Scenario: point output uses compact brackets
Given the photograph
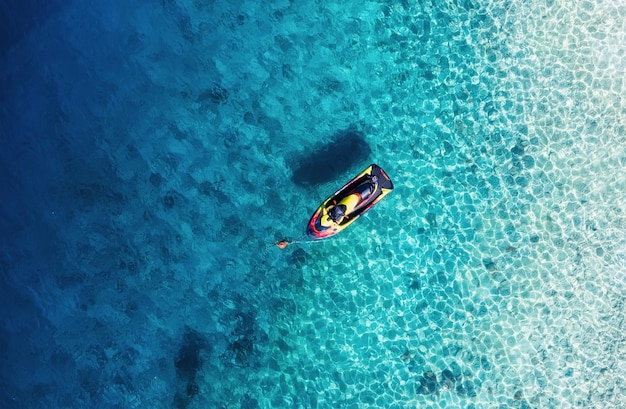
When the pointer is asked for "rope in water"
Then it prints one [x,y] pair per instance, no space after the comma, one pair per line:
[284,243]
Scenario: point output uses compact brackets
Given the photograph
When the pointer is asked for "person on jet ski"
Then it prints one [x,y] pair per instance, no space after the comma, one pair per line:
[354,201]
[365,190]
[337,213]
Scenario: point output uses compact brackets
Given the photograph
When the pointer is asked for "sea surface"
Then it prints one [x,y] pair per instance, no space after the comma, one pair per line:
[152,152]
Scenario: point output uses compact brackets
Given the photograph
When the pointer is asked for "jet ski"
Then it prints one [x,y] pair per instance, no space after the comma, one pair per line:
[349,203]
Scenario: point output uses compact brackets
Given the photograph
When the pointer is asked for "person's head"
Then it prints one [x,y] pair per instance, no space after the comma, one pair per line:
[336,213]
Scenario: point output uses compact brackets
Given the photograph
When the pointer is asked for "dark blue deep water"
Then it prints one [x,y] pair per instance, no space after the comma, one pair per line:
[151,152]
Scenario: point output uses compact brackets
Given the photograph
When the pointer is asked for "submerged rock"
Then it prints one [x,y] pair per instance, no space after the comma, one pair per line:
[447,379]
[428,383]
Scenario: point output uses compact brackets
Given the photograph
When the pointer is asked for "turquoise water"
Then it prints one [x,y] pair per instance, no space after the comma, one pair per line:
[152,153]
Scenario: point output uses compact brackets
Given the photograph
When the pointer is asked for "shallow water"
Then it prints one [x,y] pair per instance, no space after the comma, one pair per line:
[151,154]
